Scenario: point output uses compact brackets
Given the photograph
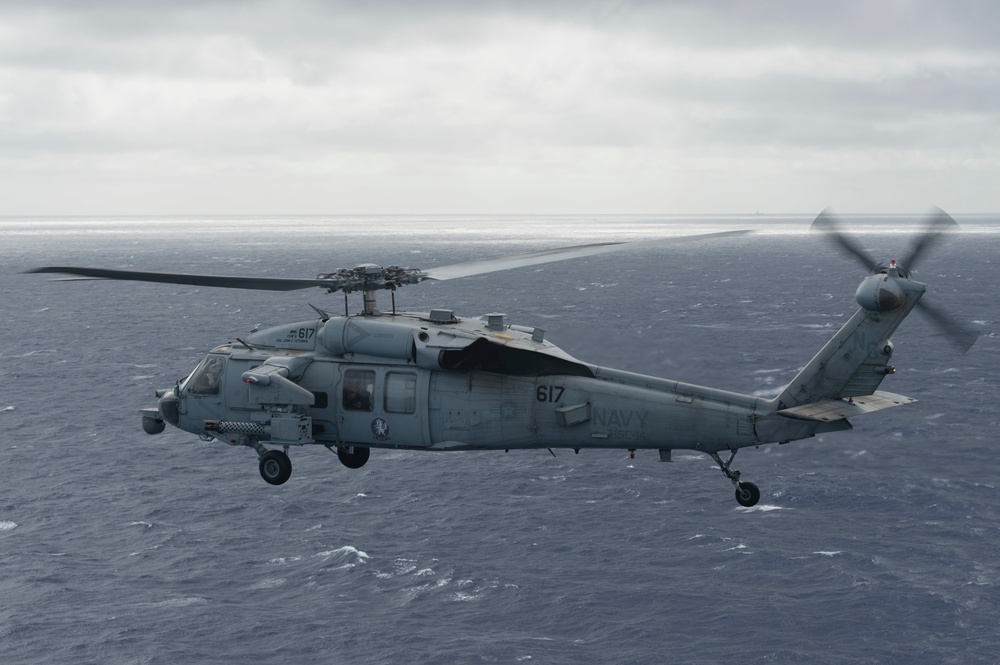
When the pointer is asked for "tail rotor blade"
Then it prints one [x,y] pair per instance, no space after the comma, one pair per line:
[937,226]
[961,336]
[827,223]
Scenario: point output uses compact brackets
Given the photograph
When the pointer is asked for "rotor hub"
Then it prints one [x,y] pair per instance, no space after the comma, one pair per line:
[370,277]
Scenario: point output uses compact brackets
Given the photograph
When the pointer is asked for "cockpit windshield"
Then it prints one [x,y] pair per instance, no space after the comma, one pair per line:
[205,378]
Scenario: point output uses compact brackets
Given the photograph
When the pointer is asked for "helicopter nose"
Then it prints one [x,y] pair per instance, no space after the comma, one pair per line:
[169,407]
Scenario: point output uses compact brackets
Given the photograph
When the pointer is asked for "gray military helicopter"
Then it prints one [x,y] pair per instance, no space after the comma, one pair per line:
[434,381]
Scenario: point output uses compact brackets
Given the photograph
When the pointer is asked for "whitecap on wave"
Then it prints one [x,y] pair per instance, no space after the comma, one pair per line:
[281,560]
[761,508]
[7,526]
[346,550]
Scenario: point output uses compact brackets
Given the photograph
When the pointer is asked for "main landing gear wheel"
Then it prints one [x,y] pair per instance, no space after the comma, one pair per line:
[275,467]
[353,457]
[747,494]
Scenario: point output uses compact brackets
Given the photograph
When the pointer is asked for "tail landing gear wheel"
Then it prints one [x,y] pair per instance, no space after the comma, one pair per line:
[353,457]
[747,494]
[275,467]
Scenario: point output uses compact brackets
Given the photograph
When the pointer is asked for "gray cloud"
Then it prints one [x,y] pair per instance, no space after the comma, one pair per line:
[496,106]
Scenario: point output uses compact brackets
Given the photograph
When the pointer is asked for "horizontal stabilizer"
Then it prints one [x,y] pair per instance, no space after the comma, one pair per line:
[828,410]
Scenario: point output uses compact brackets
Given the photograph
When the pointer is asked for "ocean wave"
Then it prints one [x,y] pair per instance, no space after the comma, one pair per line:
[346,550]
[761,508]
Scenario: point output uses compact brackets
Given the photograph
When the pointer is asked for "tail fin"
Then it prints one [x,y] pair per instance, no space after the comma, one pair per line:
[854,362]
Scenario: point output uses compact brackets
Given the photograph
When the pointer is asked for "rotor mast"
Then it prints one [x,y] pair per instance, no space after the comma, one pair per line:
[369,307]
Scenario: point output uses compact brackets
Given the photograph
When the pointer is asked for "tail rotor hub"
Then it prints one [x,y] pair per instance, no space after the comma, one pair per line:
[887,287]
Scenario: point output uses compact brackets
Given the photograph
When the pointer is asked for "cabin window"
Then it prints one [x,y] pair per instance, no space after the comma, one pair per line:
[358,387]
[400,392]
[205,379]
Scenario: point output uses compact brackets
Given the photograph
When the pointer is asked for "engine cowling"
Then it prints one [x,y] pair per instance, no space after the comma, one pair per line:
[367,336]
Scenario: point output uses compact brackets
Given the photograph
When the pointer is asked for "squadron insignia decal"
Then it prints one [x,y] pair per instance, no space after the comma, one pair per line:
[380,429]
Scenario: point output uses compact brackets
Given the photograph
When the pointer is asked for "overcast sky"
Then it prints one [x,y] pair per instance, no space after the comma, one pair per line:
[216,107]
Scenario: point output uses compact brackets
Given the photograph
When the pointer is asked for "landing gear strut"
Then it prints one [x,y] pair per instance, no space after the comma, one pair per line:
[747,494]
[275,467]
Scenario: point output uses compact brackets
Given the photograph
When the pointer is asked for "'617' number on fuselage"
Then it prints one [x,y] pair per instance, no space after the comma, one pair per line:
[549,393]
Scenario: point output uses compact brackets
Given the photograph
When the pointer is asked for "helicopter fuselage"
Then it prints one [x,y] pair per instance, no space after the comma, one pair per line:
[460,385]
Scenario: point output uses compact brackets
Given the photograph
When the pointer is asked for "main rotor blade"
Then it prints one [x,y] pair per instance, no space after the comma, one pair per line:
[937,226]
[961,336]
[480,267]
[353,281]
[827,223]
[224,281]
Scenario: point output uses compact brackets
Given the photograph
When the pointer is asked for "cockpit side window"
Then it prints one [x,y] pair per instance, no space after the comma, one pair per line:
[205,379]
[358,387]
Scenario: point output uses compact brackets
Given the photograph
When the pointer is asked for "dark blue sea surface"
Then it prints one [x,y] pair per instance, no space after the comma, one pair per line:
[878,545]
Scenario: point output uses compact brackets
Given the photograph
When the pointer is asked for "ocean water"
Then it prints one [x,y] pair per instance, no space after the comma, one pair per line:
[878,545]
